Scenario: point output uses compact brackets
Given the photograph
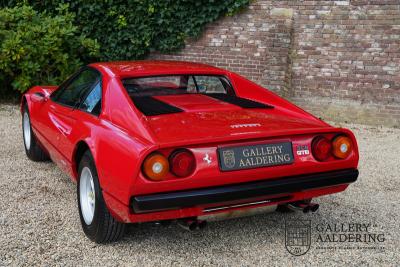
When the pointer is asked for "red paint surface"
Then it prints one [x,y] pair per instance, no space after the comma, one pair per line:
[121,137]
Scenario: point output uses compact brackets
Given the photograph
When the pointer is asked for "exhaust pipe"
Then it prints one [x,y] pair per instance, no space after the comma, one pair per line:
[192,224]
[164,223]
[189,225]
[201,224]
[305,207]
[313,207]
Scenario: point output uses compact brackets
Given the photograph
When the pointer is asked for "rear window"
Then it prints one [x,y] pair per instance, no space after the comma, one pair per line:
[177,84]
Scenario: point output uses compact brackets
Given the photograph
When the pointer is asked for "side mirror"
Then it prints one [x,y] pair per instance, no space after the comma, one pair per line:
[38,97]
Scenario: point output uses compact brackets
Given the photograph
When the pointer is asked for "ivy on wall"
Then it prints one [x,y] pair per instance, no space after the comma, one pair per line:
[130,29]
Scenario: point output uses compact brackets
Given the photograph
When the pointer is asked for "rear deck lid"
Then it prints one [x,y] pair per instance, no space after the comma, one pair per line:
[206,119]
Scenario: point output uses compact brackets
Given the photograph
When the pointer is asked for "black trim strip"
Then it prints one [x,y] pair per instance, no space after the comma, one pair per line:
[239,101]
[151,106]
[265,188]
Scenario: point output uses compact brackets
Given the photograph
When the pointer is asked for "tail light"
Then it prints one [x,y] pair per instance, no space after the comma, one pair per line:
[342,147]
[182,163]
[321,148]
[339,147]
[156,167]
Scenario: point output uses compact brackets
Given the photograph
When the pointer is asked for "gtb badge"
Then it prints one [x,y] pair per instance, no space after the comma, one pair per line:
[302,150]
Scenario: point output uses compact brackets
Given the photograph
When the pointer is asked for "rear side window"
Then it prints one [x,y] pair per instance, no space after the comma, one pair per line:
[76,90]
[210,84]
[92,103]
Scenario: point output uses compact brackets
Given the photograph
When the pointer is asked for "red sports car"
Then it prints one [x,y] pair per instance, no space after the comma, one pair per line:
[164,140]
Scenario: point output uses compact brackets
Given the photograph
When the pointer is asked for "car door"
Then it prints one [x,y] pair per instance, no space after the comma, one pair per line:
[46,121]
[83,120]
[61,112]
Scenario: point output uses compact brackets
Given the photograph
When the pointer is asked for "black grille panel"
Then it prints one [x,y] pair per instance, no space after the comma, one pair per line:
[150,106]
[239,101]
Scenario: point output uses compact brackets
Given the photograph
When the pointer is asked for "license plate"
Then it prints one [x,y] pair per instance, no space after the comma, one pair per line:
[255,156]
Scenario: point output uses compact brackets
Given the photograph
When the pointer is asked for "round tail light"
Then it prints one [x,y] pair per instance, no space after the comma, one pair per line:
[182,163]
[156,167]
[321,148]
[342,147]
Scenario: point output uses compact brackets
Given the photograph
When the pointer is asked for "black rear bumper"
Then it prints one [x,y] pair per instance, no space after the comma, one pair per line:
[265,188]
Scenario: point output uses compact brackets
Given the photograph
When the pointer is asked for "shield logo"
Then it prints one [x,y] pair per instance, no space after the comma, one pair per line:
[298,236]
[229,158]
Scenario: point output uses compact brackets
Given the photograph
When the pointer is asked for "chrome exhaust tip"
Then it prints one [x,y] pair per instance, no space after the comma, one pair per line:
[305,207]
[314,207]
[201,224]
[188,224]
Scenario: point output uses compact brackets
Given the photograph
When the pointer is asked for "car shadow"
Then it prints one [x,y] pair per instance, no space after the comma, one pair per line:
[233,235]
[261,228]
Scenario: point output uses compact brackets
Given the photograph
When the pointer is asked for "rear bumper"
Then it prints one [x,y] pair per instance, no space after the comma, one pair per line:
[237,192]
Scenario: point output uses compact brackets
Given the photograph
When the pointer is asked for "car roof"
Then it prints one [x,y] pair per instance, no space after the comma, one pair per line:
[155,67]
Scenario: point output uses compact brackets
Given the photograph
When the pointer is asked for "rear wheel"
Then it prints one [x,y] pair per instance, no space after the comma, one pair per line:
[97,222]
[32,147]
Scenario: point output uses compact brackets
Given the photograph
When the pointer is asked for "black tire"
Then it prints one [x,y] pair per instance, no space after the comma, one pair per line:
[103,228]
[32,149]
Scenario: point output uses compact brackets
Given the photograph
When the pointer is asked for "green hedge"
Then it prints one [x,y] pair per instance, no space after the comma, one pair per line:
[123,29]
[37,48]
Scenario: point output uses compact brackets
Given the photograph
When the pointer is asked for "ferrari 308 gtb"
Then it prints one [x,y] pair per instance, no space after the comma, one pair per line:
[166,140]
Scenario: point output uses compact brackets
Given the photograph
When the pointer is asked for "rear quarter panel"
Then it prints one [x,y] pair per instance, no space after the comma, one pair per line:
[118,140]
[117,156]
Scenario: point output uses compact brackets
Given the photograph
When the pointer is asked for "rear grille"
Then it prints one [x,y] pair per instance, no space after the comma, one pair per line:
[238,101]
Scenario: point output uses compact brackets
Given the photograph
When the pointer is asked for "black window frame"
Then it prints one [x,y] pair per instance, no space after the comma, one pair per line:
[67,82]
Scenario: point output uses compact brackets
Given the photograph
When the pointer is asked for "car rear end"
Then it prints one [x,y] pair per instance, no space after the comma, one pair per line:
[204,179]
[216,154]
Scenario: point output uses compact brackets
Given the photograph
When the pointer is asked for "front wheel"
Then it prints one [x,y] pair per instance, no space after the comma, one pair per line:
[32,147]
[97,222]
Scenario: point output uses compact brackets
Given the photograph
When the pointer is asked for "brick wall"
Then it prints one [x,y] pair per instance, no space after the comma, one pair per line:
[338,59]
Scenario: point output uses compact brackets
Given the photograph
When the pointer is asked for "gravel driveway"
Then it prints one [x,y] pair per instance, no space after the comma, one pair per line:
[39,223]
